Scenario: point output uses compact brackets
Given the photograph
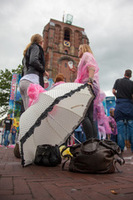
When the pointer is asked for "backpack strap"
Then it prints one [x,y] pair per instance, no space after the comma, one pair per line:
[67,156]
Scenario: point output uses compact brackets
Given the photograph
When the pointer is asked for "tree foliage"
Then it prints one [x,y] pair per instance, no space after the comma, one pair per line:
[5,85]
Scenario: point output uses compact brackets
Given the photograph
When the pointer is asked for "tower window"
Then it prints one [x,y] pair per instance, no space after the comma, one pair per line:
[67,35]
[65,65]
[66,52]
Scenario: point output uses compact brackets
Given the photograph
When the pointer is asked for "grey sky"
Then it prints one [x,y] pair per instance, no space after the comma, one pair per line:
[107,23]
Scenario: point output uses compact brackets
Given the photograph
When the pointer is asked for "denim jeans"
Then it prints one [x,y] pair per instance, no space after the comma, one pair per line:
[125,130]
[78,136]
[6,134]
[2,139]
[13,138]
[113,138]
[130,132]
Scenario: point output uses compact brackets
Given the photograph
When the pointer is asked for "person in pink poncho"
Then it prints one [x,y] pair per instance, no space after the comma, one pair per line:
[103,123]
[88,73]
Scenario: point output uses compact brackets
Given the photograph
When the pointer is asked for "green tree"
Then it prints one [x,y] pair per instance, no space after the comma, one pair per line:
[5,85]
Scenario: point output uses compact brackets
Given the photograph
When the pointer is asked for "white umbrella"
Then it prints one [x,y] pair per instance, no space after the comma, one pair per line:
[53,118]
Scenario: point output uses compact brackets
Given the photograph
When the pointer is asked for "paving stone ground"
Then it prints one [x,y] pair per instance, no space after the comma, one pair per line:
[47,183]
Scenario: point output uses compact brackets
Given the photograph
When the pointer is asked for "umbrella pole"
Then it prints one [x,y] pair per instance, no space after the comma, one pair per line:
[76,139]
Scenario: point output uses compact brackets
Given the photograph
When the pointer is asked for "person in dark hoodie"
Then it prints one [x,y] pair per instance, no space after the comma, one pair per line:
[34,67]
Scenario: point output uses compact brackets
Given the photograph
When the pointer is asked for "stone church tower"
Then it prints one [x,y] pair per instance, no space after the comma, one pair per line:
[61,43]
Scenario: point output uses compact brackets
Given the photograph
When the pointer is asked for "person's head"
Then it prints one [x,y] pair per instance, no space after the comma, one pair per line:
[36,38]
[8,115]
[84,48]
[59,77]
[128,73]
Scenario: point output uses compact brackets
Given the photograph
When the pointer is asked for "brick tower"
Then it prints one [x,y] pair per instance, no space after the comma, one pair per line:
[61,43]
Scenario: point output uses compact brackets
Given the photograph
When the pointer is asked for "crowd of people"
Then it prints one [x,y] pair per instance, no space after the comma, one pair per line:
[117,127]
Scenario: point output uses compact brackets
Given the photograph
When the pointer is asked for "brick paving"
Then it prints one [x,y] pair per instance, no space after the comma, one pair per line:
[47,183]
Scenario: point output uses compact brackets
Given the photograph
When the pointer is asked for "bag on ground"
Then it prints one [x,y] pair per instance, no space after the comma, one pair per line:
[47,155]
[95,156]
[16,151]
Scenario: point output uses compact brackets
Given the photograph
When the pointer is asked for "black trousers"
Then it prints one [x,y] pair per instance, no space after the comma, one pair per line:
[88,124]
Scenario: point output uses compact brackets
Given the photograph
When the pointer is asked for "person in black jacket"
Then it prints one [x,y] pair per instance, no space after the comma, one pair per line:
[34,67]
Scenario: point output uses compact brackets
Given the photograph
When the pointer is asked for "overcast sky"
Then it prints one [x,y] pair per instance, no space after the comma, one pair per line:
[107,23]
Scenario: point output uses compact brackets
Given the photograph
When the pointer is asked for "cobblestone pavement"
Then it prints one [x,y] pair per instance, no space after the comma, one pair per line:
[47,183]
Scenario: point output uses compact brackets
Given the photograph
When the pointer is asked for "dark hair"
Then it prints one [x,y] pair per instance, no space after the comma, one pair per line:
[128,73]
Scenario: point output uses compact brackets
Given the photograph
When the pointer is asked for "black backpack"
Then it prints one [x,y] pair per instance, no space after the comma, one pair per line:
[94,156]
[47,155]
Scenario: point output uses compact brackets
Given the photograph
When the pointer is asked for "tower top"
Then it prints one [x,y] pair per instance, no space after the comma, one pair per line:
[69,19]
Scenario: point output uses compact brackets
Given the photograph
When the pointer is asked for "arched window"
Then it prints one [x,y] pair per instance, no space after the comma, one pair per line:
[67,35]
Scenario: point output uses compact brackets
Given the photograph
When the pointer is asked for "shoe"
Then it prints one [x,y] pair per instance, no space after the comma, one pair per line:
[125,148]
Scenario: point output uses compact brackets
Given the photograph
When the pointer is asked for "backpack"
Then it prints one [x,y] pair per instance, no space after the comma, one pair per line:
[47,155]
[16,151]
[94,156]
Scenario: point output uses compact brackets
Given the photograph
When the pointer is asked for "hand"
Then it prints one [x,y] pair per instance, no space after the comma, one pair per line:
[90,84]
[90,80]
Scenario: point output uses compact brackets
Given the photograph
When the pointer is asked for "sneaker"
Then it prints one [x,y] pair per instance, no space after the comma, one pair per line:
[125,148]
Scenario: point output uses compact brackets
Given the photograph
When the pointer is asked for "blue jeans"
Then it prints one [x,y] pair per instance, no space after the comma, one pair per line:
[113,138]
[78,136]
[130,132]
[6,134]
[13,138]
[2,139]
[125,130]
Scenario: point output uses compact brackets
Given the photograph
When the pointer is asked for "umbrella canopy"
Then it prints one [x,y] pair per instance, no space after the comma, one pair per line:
[53,118]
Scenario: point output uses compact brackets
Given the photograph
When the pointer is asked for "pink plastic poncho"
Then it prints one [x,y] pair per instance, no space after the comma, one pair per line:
[33,92]
[102,117]
[57,83]
[87,61]
[35,89]
[113,125]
